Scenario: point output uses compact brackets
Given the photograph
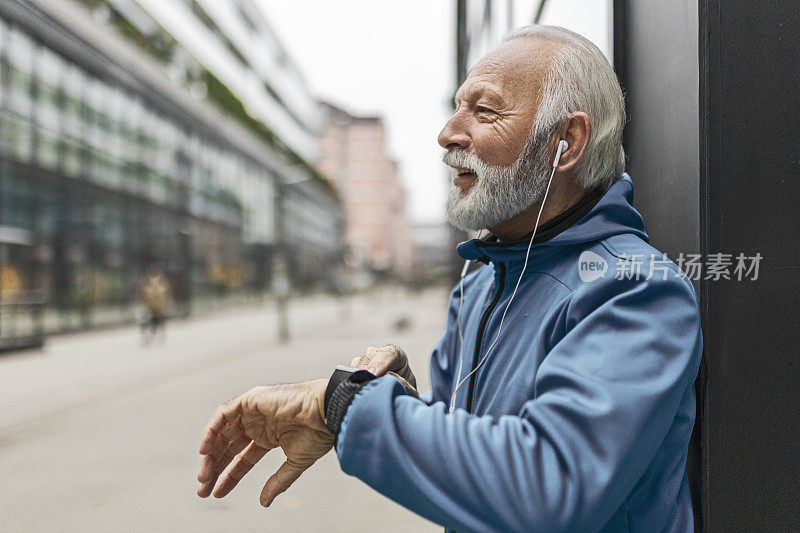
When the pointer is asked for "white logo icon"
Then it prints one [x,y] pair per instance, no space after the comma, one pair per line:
[591,266]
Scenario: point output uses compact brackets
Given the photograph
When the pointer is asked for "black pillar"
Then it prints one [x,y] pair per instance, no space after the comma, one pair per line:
[713,139]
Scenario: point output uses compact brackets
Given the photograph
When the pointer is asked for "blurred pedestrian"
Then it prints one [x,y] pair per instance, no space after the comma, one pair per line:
[157,299]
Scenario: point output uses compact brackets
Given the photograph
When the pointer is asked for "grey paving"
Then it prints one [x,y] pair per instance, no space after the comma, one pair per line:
[98,433]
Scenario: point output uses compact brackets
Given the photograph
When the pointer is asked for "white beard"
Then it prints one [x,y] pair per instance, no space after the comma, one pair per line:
[499,193]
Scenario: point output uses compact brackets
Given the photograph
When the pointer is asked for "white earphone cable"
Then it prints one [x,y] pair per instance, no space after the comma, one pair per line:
[458,323]
[460,336]
[513,294]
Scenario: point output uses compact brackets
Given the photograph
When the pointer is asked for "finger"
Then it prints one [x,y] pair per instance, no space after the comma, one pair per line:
[280,481]
[401,366]
[207,467]
[401,379]
[233,450]
[368,360]
[408,375]
[215,460]
[354,361]
[204,490]
[222,416]
[386,359]
[241,465]
[230,433]
[401,353]
[410,389]
[206,476]
[211,467]
[364,360]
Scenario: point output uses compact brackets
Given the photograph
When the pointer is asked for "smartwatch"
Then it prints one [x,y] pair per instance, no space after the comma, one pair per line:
[344,384]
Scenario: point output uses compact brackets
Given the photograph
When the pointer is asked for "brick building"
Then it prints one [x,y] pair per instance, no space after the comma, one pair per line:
[377,228]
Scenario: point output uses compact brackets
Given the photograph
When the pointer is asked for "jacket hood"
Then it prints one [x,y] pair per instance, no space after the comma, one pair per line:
[612,215]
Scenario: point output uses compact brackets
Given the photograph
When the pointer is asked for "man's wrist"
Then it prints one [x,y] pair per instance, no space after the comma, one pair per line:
[345,383]
[319,386]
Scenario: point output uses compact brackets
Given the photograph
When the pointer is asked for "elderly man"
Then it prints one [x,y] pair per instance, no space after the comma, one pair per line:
[562,390]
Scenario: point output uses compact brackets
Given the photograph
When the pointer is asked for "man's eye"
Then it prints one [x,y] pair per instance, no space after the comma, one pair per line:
[481,109]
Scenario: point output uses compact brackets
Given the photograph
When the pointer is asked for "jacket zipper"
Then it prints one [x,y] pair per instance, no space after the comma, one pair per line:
[481,330]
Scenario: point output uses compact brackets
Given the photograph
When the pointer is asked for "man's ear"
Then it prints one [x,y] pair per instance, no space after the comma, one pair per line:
[577,131]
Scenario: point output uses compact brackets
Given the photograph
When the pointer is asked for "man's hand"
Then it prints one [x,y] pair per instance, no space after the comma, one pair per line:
[391,359]
[243,430]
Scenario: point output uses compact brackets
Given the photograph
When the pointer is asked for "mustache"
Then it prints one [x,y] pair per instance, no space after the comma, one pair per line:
[461,160]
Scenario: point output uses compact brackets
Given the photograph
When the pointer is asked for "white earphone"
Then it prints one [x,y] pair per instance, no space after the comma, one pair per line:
[563,146]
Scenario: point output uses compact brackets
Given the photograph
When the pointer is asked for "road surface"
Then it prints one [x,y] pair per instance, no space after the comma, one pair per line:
[98,433]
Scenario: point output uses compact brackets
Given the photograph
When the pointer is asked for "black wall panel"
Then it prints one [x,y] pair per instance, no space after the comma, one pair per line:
[750,193]
[714,144]
[656,59]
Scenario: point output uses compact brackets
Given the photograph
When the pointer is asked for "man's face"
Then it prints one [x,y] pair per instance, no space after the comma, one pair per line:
[488,138]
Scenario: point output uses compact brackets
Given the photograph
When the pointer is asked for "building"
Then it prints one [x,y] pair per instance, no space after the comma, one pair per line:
[138,133]
[377,228]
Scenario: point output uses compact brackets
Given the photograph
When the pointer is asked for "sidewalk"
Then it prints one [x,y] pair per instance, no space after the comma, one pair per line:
[98,433]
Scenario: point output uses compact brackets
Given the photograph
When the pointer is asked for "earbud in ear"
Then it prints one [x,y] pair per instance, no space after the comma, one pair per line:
[562,147]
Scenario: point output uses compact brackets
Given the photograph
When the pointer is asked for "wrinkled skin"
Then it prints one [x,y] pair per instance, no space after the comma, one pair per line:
[390,359]
[496,107]
[243,430]
[289,416]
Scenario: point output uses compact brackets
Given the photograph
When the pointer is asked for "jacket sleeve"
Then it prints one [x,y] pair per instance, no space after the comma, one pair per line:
[605,397]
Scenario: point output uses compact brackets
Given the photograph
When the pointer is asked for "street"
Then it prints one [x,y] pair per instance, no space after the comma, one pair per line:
[98,433]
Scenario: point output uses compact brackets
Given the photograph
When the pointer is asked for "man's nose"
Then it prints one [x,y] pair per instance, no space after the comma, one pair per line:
[452,136]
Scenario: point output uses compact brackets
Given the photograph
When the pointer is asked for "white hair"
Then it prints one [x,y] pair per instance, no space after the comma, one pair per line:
[580,78]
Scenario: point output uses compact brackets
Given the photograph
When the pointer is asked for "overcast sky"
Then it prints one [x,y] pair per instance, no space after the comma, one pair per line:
[397,60]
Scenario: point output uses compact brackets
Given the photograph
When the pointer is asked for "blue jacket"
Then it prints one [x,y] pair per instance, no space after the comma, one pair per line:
[581,415]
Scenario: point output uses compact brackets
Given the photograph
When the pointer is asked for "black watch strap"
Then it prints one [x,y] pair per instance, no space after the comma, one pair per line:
[344,384]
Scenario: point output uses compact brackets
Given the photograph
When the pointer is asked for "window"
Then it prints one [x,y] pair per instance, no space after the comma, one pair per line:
[47,112]
[3,60]
[20,59]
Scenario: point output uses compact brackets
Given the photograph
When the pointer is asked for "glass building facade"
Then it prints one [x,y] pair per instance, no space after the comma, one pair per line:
[98,182]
